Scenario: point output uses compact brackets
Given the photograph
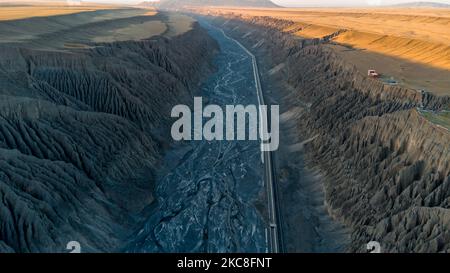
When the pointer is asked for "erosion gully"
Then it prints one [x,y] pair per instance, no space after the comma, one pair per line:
[207,191]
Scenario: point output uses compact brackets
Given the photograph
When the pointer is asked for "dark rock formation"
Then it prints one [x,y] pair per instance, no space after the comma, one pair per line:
[81,133]
[387,168]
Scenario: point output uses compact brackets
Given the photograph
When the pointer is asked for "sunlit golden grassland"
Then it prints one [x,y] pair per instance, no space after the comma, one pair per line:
[410,44]
[14,12]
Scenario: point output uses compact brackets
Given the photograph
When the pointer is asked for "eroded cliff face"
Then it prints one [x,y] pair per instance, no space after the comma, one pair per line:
[386,168]
[82,132]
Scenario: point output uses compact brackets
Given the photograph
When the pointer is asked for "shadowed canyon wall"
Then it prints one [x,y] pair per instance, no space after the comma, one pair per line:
[386,168]
[81,135]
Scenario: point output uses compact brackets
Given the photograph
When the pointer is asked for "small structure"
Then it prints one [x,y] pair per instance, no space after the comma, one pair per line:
[373,73]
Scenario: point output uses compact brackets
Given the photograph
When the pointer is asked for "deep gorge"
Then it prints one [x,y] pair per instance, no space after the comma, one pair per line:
[386,170]
[82,133]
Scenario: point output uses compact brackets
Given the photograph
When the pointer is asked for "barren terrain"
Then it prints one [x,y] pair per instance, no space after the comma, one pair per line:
[85,103]
[382,165]
[411,46]
[85,151]
[21,11]
[89,25]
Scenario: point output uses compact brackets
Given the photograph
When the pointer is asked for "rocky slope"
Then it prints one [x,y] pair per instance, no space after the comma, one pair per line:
[81,134]
[386,169]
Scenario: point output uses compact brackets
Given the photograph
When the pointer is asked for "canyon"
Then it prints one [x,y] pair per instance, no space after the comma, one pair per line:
[82,131]
[384,168]
[86,152]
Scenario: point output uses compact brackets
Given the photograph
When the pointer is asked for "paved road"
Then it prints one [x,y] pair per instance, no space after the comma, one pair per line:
[274,232]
